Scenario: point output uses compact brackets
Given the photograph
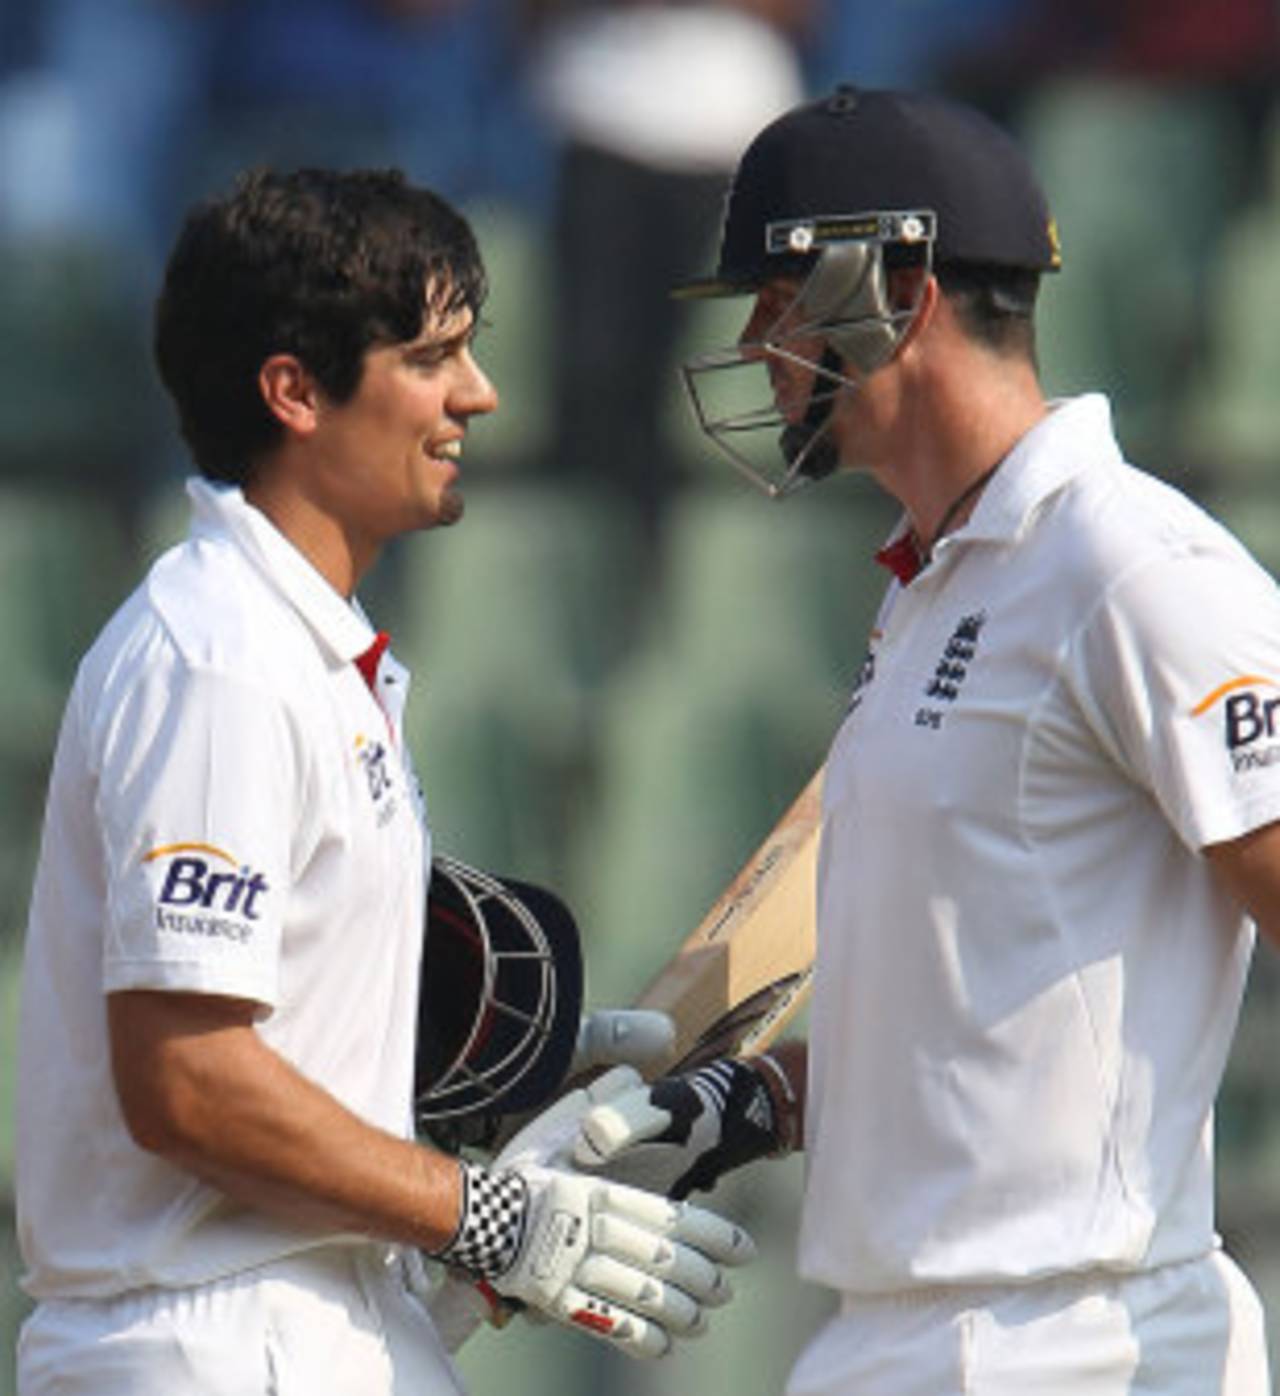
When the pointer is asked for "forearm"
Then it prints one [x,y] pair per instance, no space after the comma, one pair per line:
[215,1100]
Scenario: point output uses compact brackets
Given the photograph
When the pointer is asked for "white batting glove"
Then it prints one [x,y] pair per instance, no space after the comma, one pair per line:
[639,1037]
[458,1303]
[681,1132]
[614,1261]
[551,1138]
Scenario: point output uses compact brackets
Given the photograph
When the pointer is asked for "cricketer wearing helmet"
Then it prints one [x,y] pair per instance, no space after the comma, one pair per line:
[1049,813]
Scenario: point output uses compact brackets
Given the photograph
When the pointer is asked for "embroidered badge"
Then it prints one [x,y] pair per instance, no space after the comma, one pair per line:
[951,670]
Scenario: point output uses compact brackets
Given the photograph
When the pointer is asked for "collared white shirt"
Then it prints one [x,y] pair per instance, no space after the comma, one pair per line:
[231,812]
[1027,981]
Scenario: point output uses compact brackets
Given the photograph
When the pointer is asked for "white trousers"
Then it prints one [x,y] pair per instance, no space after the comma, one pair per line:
[1194,1329]
[335,1321]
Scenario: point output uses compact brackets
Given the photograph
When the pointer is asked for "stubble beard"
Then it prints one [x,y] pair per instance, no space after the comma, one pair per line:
[452,508]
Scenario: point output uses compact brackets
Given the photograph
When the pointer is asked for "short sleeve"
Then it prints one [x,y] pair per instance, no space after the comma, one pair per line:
[1179,669]
[197,795]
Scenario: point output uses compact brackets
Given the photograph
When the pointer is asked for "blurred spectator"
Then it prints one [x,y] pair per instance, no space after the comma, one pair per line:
[131,107]
[652,103]
[1181,39]
[17,37]
[911,43]
[429,85]
[1231,47]
[122,87]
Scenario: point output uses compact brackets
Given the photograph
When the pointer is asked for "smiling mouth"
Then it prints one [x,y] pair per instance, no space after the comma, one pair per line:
[447,452]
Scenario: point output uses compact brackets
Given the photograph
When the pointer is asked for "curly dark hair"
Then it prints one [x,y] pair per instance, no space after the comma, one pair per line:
[321,264]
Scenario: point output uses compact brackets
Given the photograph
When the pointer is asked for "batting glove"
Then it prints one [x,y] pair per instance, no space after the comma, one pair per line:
[639,1037]
[682,1132]
[460,1303]
[614,1261]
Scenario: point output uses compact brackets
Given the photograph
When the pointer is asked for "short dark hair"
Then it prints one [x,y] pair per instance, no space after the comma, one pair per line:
[317,263]
[994,304]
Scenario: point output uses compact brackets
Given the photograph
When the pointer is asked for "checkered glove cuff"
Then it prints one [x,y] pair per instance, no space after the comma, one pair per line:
[494,1209]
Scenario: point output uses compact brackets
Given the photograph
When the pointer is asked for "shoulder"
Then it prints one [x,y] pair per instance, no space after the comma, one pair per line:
[218,610]
[1110,527]
[1159,593]
[203,610]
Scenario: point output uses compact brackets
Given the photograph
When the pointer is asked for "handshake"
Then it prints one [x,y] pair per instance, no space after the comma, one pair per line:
[581,1217]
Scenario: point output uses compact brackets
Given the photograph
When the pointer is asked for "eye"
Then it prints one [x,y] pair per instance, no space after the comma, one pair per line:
[434,354]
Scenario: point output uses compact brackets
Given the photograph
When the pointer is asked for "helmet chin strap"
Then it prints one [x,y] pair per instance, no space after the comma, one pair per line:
[807,445]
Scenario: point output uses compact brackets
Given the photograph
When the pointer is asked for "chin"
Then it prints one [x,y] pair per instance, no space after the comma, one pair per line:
[451,509]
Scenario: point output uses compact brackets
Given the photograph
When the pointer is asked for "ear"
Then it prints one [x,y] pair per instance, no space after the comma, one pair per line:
[915,287]
[290,393]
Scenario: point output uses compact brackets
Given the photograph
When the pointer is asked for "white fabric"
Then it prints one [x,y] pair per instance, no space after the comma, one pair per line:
[332,1322]
[677,88]
[1185,1330]
[230,812]
[1027,982]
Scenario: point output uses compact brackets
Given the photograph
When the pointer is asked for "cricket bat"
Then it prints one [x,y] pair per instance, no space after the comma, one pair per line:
[745,971]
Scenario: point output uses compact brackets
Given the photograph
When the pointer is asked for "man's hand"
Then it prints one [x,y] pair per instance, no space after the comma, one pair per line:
[460,1303]
[684,1132]
[614,1261]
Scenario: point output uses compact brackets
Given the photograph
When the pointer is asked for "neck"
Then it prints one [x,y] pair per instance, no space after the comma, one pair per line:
[956,513]
[968,424]
[312,530]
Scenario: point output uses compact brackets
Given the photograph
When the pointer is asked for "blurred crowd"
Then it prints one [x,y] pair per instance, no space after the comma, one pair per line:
[628,663]
[606,127]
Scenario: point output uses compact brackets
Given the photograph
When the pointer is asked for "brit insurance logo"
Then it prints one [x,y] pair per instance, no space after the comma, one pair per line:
[1249,709]
[206,891]
[951,671]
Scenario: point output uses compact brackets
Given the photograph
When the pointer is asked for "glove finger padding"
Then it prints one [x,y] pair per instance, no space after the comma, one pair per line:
[635,1291]
[683,1132]
[622,1264]
[625,1329]
[697,1228]
[635,1141]
[549,1139]
[678,1265]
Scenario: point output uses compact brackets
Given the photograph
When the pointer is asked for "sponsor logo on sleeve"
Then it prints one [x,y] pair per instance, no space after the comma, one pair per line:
[206,891]
[1248,709]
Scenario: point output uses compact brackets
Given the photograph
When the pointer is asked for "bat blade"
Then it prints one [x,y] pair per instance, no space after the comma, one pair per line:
[744,972]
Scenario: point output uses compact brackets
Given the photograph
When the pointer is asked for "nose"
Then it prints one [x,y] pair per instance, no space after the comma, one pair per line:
[476,394]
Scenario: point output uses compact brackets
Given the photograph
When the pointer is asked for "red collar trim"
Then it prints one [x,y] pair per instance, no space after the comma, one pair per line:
[368,662]
[902,558]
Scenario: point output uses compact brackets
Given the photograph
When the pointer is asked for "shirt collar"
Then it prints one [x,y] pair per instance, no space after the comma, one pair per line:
[221,511]
[1075,435]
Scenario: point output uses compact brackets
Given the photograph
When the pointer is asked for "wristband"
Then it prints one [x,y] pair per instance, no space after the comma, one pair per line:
[491,1225]
[787,1111]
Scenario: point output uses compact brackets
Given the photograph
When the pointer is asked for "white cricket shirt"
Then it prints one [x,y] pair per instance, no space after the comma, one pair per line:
[231,811]
[1027,982]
